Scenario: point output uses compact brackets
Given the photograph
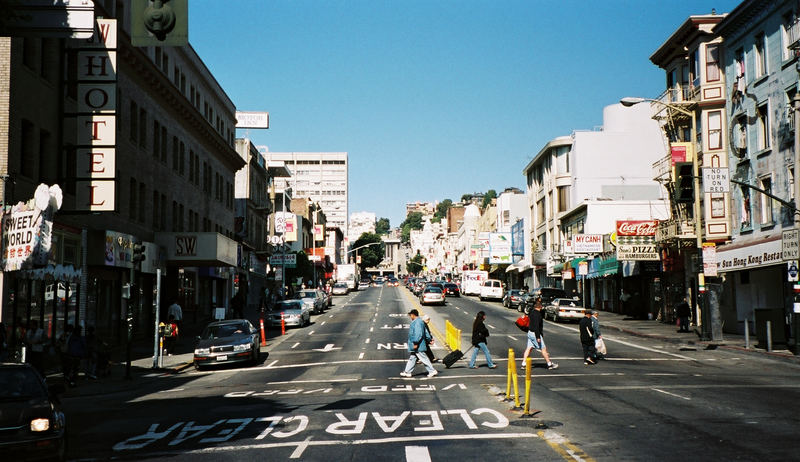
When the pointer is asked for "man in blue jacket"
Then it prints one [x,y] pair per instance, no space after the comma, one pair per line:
[417,345]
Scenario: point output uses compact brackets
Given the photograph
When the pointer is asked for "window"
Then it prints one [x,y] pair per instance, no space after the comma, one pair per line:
[134,121]
[164,141]
[740,136]
[46,169]
[180,217]
[790,180]
[163,207]
[175,153]
[762,125]
[133,193]
[744,212]
[156,138]
[540,211]
[182,159]
[27,149]
[142,203]
[739,65]
[766,201]
[156,212]
[174,216]
[29,52]
[761,55]
[787,21]
[715,130]
[191,166]
[712,62]
[694,67]
[717,205]
[563,198]
[142,127]
[790,93]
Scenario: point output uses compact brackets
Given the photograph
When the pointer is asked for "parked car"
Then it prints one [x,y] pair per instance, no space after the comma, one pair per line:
[295,313]
[512,298]
[234,340]
[340,288]
[418,286]
[313,299]
[546,294]
[452,290]
[564,308]
[32,421]
[431,294]
[491,289]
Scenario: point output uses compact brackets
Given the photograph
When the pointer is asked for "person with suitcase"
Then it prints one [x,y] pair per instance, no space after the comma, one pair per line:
[535,335]
[417,344]
[479,336]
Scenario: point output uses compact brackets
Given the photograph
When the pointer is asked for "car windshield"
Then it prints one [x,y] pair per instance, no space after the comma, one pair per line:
[568,302]
[287,305]
[434,290]
[19,383]
[306,294]
[224,330]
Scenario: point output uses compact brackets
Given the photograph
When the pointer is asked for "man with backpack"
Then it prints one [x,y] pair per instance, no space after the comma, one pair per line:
[536,335]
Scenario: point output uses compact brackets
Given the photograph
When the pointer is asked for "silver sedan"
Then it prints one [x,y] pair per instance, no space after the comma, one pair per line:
[294,313]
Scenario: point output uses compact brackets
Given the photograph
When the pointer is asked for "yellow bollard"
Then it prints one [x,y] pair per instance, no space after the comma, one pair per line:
[528,366]
[512,377]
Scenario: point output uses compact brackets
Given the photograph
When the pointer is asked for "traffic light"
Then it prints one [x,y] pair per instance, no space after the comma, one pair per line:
[159,23]
[138,254]
[684,183]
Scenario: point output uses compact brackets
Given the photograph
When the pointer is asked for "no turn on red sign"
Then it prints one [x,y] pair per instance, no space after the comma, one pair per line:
[716,180]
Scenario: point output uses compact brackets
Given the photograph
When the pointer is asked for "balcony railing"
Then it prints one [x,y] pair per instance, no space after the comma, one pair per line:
[794,35]
[661,168]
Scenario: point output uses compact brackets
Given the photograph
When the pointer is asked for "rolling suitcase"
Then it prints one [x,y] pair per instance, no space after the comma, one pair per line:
[453,356]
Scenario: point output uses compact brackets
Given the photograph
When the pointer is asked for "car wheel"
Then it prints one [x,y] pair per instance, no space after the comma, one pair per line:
[198,367]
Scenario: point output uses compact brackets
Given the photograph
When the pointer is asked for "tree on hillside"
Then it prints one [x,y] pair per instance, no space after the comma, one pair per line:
[370,256]
[382,226]
[487,198]
[412,221]
[442,208]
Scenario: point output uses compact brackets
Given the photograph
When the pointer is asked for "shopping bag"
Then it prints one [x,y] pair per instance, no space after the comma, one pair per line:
[600,346]
[523,322]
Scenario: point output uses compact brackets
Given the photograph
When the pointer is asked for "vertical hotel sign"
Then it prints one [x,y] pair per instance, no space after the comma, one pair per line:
[95,180]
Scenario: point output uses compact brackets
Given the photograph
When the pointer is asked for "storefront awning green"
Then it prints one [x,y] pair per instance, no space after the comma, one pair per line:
[603,266]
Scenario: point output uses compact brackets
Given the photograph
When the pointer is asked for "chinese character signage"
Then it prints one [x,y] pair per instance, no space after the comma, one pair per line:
[28,228]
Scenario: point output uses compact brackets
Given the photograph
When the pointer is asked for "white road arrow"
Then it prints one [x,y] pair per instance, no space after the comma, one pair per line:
[328,347]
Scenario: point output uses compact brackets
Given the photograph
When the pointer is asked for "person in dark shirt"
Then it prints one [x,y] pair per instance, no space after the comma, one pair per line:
[683,311]
[535,335]
[587,338]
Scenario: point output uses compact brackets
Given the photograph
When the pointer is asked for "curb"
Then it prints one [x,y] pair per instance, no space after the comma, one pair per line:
[771,354]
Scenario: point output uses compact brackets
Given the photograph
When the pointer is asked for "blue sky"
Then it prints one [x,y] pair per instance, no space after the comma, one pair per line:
[432,99]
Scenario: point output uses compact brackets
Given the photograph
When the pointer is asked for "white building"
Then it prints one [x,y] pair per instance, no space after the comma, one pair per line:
[360,223]
[321,176]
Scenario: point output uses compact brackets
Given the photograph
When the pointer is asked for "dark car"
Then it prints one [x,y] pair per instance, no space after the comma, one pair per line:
[32,424]
[452,290]
[230,341]
[512,298]
[545,294]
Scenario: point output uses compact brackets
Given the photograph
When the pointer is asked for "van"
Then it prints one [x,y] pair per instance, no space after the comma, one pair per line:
[491,288]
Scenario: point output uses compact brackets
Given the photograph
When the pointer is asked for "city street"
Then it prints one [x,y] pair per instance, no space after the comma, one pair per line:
[332,391]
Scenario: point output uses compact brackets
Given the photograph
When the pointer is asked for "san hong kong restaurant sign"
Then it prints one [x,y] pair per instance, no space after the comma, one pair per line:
[28,229]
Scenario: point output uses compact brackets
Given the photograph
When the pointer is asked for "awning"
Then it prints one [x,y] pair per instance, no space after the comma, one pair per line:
[603,266]
[576,261]
[520,266]
[559,267]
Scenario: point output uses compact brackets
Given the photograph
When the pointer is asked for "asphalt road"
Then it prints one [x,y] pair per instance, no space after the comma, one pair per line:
[332,391]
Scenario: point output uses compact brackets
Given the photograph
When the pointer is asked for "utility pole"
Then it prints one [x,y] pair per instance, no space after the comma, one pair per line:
[796,301]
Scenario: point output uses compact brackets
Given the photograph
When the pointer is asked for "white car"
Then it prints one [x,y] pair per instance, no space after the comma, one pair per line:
[431,294]
[340,288]
[565,308]
[491,289]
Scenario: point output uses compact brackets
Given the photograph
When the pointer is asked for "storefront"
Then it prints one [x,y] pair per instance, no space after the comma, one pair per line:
[755,284]
[603,286]
[200,272]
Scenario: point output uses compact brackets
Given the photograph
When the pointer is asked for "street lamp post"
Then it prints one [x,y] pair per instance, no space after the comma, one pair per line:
[698,226]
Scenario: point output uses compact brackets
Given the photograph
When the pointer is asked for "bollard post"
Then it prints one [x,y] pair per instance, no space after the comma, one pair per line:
[161,351]
[769,335]
[528,364]
[512,379]
[263,335]
[283,325]
[509,374]
[746,334]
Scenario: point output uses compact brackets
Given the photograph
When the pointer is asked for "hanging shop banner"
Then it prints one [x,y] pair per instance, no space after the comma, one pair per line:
[587,243]
[319,233]
[636,240]
[500,248]
[759,255]
[641,252]
[28,228]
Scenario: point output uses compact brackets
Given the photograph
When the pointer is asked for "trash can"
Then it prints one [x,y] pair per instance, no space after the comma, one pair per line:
[775,316]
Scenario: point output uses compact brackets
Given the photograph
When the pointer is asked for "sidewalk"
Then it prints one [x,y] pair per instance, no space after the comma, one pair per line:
[669,332]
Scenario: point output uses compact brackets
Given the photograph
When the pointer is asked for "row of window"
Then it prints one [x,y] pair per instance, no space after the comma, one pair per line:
[211,180]
[161,59]
[181,220]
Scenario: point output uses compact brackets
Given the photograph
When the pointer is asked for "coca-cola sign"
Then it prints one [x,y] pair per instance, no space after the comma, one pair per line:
[637,227]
